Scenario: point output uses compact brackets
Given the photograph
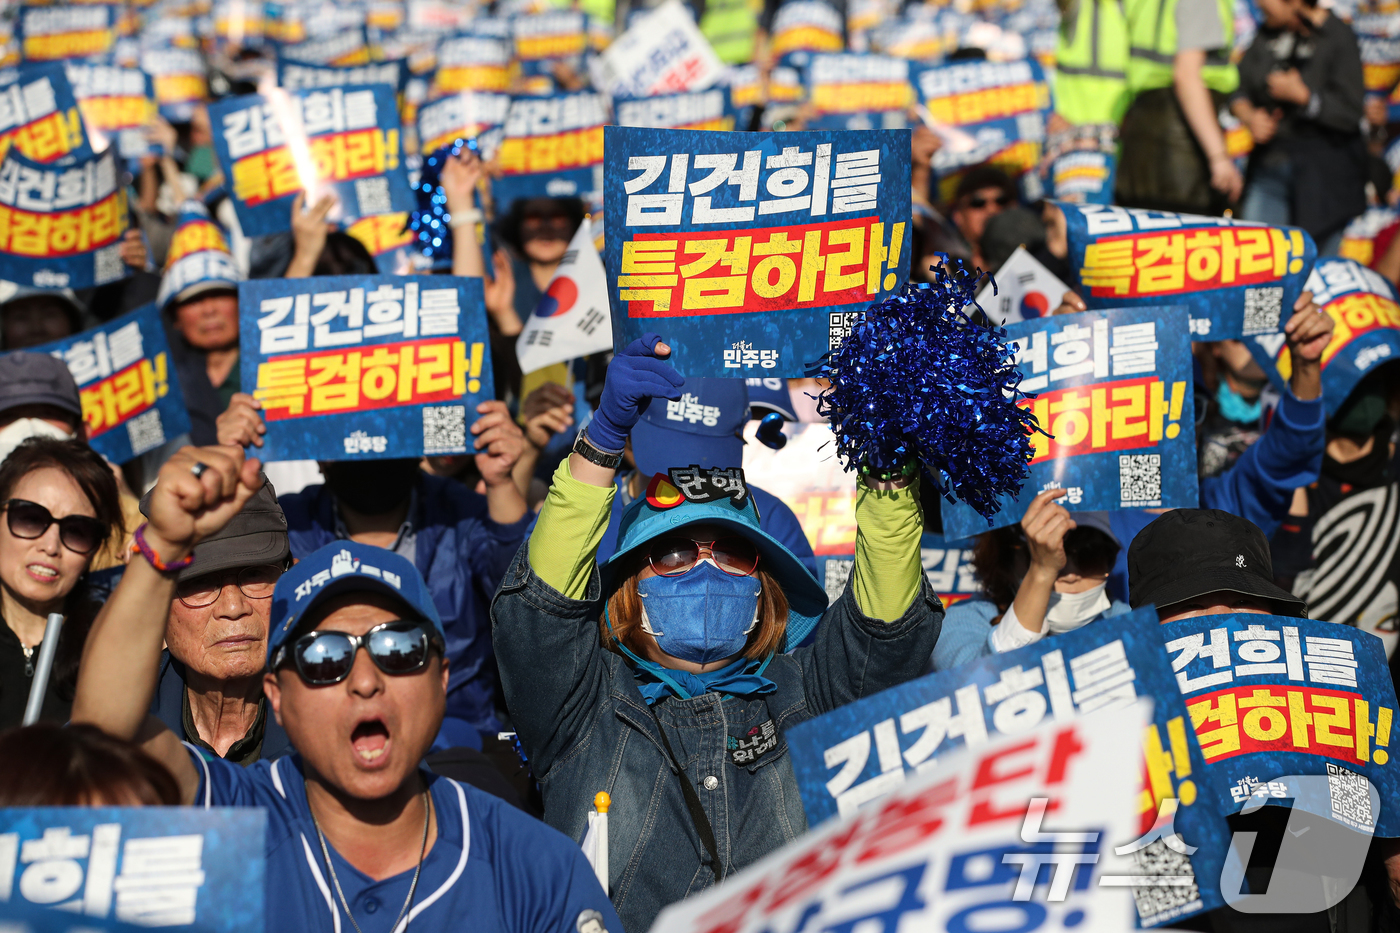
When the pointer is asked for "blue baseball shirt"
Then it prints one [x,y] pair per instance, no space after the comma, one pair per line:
[492,867]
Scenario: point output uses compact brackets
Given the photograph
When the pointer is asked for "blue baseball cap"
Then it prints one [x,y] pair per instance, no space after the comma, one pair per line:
[769,394]
[663,509]
[702,428]
[346,567]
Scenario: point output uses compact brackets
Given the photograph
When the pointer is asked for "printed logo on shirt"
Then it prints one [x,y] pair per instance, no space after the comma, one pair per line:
[748,748]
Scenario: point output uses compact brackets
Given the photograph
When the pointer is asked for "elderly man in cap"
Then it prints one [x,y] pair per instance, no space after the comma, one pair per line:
[209,690]
[357,675]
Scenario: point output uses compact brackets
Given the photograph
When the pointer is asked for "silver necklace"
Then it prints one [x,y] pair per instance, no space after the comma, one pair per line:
[423,850]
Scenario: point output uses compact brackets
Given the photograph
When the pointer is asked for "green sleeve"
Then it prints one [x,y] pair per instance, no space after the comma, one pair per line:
[570,527]
[889,524]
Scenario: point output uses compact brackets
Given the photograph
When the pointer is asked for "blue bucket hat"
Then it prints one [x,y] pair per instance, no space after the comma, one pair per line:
[664,509]
[346,567]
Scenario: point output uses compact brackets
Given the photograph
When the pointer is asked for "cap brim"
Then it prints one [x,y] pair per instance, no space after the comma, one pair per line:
[42,398]
[807,600]
[1226,579]
[264,547]
[657,449]
[199,288]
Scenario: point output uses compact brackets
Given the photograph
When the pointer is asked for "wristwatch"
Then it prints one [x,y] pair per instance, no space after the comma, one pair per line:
[604,458]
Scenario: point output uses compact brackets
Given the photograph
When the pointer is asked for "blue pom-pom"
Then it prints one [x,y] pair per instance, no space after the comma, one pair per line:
[918,379]
[432,208]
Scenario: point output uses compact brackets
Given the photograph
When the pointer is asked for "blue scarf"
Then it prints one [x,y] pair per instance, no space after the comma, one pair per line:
[743,678]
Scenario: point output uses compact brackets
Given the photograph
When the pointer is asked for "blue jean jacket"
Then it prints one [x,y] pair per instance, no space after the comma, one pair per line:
[586,729]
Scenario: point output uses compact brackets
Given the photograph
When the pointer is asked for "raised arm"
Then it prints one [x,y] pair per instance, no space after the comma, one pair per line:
[122,654]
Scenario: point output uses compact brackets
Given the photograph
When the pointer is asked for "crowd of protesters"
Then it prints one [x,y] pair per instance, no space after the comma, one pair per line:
[553,632]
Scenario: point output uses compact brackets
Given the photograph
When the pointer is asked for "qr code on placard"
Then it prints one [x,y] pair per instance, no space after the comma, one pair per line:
[445,429]
[1157,903]
[1262,309]
[838,571]
[1351,797]
[145,432]
[107,264]
[841,323]
[373,195]
[1140,480]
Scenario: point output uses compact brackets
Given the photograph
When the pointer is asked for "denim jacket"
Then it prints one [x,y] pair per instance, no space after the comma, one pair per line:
[586,728]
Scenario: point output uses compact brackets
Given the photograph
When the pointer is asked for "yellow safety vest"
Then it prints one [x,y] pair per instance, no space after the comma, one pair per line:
[731,26]
[1091,64]
[1152,37]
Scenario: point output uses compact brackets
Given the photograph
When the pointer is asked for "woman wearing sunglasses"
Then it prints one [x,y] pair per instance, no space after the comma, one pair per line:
[60,503]
[662,676]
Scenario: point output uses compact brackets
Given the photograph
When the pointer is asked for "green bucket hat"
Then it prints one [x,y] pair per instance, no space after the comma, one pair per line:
[664,509]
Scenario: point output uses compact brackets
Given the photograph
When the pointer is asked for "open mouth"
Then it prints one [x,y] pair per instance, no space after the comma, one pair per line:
[42,572]
[370,739]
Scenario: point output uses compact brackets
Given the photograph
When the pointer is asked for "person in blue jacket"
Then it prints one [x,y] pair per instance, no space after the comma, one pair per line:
[704,428]
[461,541]
[1045,576]
[1288,455]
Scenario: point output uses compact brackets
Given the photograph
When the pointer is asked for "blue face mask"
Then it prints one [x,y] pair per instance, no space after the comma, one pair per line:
[703,615]
[1234,407]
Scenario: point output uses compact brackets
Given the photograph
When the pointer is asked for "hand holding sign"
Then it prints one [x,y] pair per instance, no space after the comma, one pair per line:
[309,231]
[498,443]
[1309,331]
[635,376]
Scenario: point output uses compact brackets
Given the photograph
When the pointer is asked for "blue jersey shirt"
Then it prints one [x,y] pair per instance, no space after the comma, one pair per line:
[492,867]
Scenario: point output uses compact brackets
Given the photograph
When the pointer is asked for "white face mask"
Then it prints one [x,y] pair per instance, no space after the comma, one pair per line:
[1069,611]
[12,435]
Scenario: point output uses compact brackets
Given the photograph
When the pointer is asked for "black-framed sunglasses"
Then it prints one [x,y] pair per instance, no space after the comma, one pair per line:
[396,647]
[80,534]
[256,582]
[976,203]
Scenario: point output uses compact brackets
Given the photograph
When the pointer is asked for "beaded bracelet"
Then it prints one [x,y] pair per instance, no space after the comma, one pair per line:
[909,468]
[153,558]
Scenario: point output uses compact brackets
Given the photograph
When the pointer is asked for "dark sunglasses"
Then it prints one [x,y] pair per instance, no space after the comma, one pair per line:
[79,533]
[256,582]
[1000,200]
[671,557]
[397,647]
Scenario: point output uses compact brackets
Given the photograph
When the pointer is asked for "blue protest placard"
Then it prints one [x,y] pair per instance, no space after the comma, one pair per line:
[180,81]
[343,140]
[553,147]
[169,867]
[1113,389]
[40,115]
[947,564]
[462,115]
[801,27]
[751,253]
[860,752]
[61,224]
[117,104]
[131,403]
[1366,332]
[342,49]
[471,63]
[711,109]
[1237,278]
[51,33]
[1081,164]
[299,76]
[857,92]
[1271,696]
[547,37]
[365,367]
[999,108]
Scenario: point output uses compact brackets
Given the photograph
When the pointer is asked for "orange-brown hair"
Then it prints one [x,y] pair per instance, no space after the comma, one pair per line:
[625,615]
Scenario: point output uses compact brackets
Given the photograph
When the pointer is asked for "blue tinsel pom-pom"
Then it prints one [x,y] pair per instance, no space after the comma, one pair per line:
[430,222]
[918,379]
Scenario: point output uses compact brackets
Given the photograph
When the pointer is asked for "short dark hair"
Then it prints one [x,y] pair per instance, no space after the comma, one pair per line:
[345,255]
[48,765]
[985,176]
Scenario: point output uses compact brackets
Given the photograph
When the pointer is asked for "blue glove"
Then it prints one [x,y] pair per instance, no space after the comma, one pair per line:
[635,377]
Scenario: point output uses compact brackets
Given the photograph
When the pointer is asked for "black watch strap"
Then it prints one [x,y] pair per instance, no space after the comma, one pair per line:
[593,454]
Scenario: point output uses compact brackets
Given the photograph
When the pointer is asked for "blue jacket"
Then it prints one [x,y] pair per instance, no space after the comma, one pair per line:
[168,706]
[967,628]
[1260,485]
[585,728]
[774,517]
[462,554]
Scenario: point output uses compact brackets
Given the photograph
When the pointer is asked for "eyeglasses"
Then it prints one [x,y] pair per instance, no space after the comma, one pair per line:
[977,203]
[81,534]
[256,582]
[671,557]
[397,647]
